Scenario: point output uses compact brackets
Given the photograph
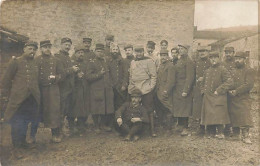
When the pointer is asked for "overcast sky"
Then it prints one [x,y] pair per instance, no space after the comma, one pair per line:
[210,14]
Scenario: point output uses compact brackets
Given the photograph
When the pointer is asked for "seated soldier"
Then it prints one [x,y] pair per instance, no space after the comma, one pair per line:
[131,116]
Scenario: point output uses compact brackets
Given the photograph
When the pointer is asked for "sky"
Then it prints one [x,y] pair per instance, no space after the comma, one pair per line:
[211,14]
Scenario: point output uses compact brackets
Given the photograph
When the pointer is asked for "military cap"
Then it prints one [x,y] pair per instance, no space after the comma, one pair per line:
[78,48]
[240,54]
[231,49]
[214,54]
[136,93]
[164,41]
[31,43]
[164,51]
[184,46]
[110,37]
[87,39]
[151,43]
[203,48]
[100,46]
[128,46]
[66,39]
[139,48]
[45,43]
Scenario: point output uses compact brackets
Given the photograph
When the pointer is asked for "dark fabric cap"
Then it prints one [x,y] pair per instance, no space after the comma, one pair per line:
[139,48]
[164,51]
[66,39]
[128,46]
[87,39]
[110,37]
[31,43]
[241,54]
[231,49]
[79,47]
[214,54]
[175,48]
[184,46]
[100,46]
[136,93]
[151,43]
[45,43]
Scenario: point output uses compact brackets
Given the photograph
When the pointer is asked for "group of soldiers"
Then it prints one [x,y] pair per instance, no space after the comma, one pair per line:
[124,94]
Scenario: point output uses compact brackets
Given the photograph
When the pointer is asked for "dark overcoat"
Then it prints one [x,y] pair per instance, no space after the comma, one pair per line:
[79,92]
[101,89]
[20,80]
[200,66]
[185,74]
[214,107]
[240,104]
[50,93]
[165,82]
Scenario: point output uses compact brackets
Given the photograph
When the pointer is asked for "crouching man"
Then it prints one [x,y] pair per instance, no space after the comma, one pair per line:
[131,117]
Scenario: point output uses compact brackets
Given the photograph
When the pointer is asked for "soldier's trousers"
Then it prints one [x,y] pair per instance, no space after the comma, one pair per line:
[66,105]
[19,122]
[131,128]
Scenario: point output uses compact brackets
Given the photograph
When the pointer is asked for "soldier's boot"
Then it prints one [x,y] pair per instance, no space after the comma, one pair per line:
[201,130]
[245,136]
[151,117]
[210,131]
[227,130]
[18,153]
[72,127]
[235,133]
[220,132]
[135,130]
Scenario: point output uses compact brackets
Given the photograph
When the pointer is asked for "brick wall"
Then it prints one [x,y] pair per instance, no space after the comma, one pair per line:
[131,21]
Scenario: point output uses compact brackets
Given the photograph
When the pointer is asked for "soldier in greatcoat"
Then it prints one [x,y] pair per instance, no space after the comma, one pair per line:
[229,63]
[88,56]
[101,90]
[119,74]
[131,117]
[78,109]
[20,88]
[51,73]
[202,63]
[239,99]
[215,85]
[182,96]
[67,84]
[143,76]
[164,89]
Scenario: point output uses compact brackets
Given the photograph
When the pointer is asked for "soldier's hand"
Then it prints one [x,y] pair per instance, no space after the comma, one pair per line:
[80,74]
[123,88]
[200,79]
[216,93]
[136,120]
[51,77]
[165,94]
[232,92]
[119,121]
[184,94]
[5,99]
[2,120]
[75,68]
[102,71]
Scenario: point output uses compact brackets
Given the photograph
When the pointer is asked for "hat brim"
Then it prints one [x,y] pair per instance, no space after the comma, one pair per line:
[47,44]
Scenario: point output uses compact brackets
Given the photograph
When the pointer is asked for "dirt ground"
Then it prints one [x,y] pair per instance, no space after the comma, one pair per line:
[166,149]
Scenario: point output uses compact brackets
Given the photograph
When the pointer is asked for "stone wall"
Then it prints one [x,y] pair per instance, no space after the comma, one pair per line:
[131,21]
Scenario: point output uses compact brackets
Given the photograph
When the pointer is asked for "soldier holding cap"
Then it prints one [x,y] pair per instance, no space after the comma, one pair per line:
[150,47]
[131,117]
[109,39]
[182,98]
[51,73]
[202,63]
[79,94]
[215,85]
[239,100]
[164,89]
[102,104]
[143,76]
[67,85]
[20,88]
